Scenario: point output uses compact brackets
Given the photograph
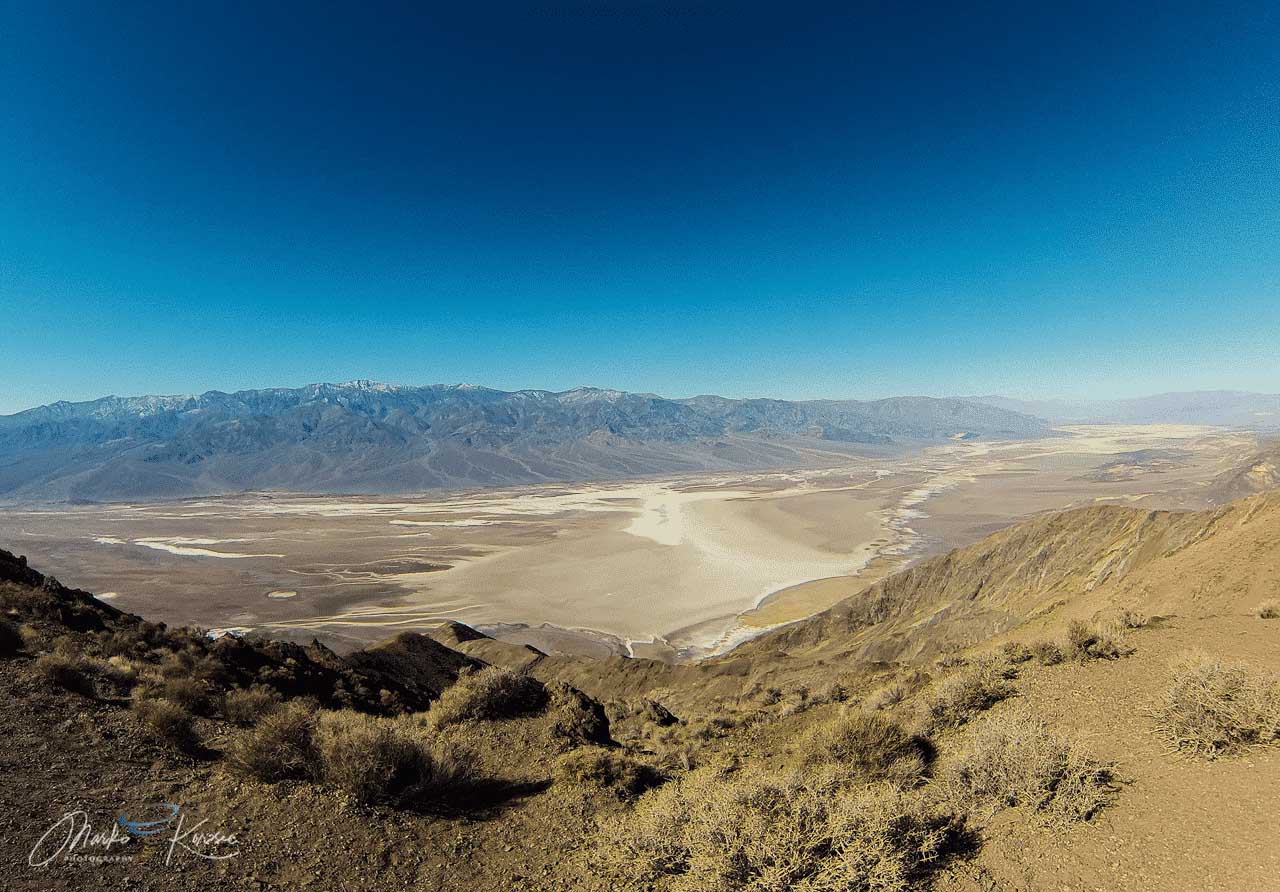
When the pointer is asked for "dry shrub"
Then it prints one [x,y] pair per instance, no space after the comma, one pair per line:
[1269,609]
[865,746]
[1014,760]
[1086,641]
[735,830]
[890,695]
[191,695]
[836,692]
[1132,619]
[951,660]
[69,673]
[169,722]
[1047,653]
[179,664]
[1015,652]
[124,643]
[1214,708]
[247,705]
[491,693]
[117,672]
[578,719]
[380,760]
[280,747]
[598,768]
[960,698]
[10,638]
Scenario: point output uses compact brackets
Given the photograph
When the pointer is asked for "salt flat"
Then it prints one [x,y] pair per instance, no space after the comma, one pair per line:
[663,567]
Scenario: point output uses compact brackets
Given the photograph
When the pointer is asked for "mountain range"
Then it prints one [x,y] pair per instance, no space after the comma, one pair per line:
[1227,408]
[365,436]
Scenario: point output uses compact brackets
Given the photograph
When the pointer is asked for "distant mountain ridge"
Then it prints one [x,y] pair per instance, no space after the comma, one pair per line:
[1227,408]
[366,436]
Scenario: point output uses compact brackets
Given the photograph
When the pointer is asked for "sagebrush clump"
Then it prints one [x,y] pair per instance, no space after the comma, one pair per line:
[1214,708]
[594,767]
[380,760]
[69,673]
[1269,610]
[280,747]
[962,697]
[1015,652]
[491,693]
[169,722]
[245,706]
[1086,641]
[1014,760]
[736,829]
[190,694]
[888,696]
[866,746]
[1047,653]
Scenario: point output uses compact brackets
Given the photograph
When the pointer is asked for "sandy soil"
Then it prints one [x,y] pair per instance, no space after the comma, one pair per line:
[671,567]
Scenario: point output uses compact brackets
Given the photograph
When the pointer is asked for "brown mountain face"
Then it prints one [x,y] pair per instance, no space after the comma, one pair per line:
[1258,473]
[1057,567]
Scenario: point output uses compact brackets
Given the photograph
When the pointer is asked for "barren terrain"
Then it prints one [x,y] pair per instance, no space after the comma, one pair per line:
[656,567]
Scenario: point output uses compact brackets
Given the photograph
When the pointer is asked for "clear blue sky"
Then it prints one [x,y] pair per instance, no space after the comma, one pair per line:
[787,199]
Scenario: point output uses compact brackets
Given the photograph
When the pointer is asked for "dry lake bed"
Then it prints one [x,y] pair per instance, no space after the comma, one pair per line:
[672,567]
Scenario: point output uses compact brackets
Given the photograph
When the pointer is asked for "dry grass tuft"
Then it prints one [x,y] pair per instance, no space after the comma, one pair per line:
[1213,708]
[598,768]
[865,746]
[737,830]
[1086,641]
[1047,653]
[280,747]
[491,693]
[1015,652]
[888,696]
[246,706]
[1132,619]
[1013,760]
[117,672]
[190,694]
[379,760]
[959,699]
[169,722]
[69,673]
[1269,609]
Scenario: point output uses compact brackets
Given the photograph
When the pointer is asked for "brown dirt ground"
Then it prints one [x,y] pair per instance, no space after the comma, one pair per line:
[1179,823]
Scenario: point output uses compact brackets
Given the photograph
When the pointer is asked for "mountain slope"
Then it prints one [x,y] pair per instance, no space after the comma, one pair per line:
[1071,564]
[1257,473]
[368,437]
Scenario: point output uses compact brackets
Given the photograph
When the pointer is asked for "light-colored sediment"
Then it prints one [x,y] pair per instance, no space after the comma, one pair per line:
[683,565]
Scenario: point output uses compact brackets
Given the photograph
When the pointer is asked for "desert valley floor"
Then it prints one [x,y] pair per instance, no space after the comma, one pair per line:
[672,567]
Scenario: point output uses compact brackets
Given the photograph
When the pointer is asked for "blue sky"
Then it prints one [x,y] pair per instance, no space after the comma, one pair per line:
[789,200]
